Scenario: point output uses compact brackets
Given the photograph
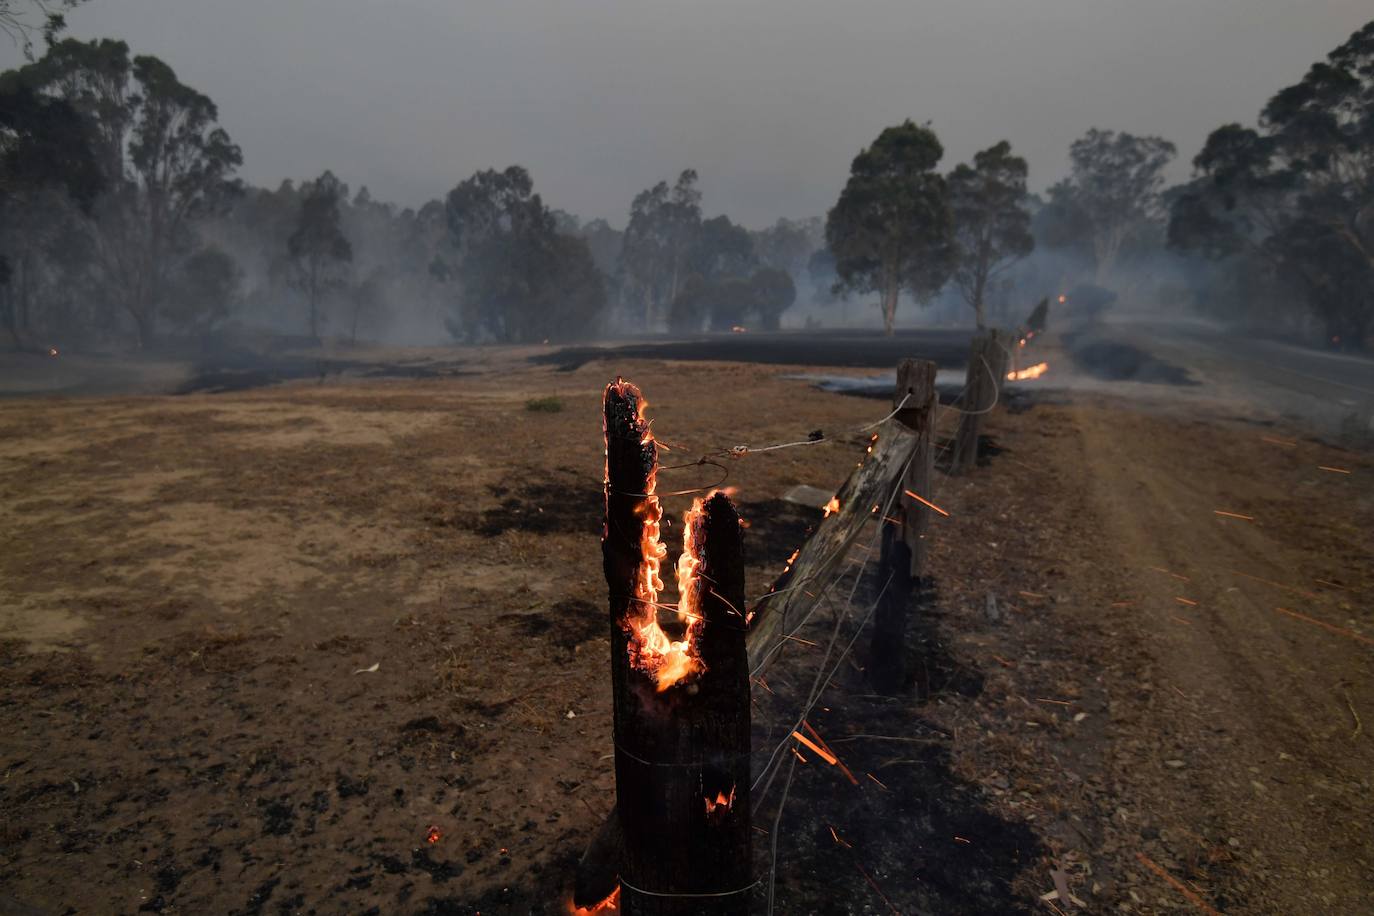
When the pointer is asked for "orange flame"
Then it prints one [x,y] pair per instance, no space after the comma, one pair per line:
[434,835]
[652,650]
[610,905]
[1030,372]
[832,506]
[717,808]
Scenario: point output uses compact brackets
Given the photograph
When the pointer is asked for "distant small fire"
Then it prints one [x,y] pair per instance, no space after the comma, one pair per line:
[1021,375]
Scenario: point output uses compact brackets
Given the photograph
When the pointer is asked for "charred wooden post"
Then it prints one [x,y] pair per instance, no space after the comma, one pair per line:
[916,390]
[903,555]
[887,657]
[681,719]
[987,371]
[792,597]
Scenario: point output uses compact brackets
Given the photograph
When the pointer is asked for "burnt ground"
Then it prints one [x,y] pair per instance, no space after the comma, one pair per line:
[258,644]
[948,348]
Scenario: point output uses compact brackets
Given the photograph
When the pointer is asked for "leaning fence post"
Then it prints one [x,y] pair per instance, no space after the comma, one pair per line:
[987,370]
[681,739]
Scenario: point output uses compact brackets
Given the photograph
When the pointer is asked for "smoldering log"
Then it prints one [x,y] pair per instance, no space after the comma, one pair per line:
[681,730]
[789,601]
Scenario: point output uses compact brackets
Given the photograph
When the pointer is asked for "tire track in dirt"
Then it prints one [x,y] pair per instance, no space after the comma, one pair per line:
[1254,703]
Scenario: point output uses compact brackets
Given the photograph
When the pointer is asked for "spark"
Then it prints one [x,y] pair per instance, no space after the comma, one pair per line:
[839,841]
[1332,584]
[828,749]
[805,642]
[959,839]
[877,890]
[878,781]
[1188,601]
[1030,595]
[927,502]
[1193,898]
[816,748]
[1122,603]
[1179,619]
[1287,588]
[1278,441]
[1326,626]
[1333,470]
[1248,518]
[1003,662]
[1055,702]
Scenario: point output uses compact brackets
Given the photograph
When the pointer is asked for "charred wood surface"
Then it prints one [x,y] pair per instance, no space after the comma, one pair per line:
[681,751]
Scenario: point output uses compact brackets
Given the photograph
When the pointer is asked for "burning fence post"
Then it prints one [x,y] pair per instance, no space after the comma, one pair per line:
[903,541]
[987,371]
[681,719]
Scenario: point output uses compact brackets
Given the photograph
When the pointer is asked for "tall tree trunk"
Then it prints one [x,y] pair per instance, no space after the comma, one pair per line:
[891,292]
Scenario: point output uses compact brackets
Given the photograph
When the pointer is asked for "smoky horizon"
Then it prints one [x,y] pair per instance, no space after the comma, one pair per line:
[769,102]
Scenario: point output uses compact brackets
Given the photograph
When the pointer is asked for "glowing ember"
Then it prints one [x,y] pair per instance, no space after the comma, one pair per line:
[610,905]
[1063,299]
[832,506]
[1030,372]
[815,748]
[717,808]
[52,351]
[652,650]
[926,502]
[433,835]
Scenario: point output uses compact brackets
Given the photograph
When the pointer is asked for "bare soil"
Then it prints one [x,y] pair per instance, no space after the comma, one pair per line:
[260,647]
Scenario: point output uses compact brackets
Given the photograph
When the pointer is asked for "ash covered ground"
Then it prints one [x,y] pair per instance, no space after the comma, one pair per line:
[262,645]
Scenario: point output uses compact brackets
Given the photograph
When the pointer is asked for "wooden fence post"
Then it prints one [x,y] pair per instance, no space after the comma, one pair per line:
[987,372]
[681,745]
[916,383]
[903,557]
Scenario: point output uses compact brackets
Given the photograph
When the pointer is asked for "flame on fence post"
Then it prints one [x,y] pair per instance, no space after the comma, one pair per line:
[681,702]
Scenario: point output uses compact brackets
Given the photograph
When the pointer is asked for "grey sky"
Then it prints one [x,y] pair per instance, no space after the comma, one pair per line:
[768,99]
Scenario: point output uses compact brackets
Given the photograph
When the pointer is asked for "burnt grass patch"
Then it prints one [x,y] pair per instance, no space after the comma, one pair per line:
[1113,361]
[565,505]
[911,836]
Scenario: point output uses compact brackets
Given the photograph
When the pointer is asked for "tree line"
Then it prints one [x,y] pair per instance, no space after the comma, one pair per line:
[122,218]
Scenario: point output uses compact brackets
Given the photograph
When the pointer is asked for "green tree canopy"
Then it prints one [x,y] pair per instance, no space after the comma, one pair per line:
[1113,191]
[1295,196]
[320,252]
[891,230]
[991,222]
[522,281]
